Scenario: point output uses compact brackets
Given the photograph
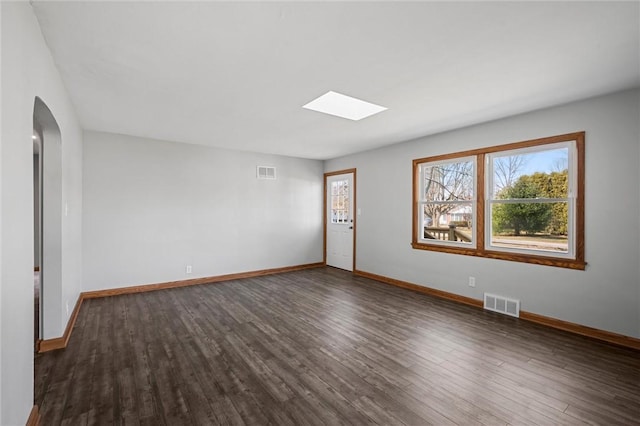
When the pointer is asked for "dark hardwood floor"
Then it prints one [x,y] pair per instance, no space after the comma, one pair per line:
[324,347]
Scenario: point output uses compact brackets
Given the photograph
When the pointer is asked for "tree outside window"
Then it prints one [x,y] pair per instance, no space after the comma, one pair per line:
[530,194]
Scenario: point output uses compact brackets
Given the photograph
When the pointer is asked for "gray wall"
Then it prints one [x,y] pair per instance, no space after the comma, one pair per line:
[606,295]
[152,207]
[29,71]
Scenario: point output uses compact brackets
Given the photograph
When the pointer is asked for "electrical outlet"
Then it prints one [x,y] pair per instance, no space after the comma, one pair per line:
[67,306]
[187,269]
[472,281]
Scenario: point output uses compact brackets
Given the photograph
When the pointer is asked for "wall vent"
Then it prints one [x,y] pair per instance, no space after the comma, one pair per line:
[266,172]
[502,304]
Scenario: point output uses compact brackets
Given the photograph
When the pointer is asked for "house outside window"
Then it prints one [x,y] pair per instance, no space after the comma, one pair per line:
[447,197]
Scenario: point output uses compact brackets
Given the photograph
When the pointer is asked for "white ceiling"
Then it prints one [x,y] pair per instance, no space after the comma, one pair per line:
[236,74]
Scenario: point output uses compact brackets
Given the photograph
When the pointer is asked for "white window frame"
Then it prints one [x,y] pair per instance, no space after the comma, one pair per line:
[473,202]
[490,199]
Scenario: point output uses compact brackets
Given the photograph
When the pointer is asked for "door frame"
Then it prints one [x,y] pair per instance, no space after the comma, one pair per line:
[38,213]
[52,216]
[324,213]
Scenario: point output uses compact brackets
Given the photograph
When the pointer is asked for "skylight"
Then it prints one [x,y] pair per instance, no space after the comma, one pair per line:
[343,106]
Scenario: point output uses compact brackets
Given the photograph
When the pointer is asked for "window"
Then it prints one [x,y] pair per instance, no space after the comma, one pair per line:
[340,201]
[447,201]
[530,199]
[521,202]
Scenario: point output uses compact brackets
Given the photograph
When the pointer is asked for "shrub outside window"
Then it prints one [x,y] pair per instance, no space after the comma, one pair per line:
[531,200]
[521,202]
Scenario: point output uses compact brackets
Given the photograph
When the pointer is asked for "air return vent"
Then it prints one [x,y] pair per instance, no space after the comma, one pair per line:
[502,304]
[266,172]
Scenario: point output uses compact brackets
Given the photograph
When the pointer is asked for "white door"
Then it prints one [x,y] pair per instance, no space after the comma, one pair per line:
[340,221]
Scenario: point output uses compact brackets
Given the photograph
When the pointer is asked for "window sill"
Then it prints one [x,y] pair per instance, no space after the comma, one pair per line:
[513,257]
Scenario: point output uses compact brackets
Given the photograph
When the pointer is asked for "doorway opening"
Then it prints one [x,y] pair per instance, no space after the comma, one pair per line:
[340,219]
[47,223]
[37,230]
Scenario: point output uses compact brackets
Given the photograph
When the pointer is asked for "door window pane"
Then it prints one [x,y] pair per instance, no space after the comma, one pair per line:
[340,201]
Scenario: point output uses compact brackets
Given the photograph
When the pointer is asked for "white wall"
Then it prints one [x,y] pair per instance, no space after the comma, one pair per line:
[29,71]
[152,207]
[1,234]
[604,296]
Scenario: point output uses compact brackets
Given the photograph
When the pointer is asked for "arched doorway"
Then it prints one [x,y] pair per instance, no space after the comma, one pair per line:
[47,185]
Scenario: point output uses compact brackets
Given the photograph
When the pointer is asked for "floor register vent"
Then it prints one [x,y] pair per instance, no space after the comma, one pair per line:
[502,305]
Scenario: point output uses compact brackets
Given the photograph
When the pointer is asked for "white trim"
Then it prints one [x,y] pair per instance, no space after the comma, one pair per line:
[571,147]
[472,202]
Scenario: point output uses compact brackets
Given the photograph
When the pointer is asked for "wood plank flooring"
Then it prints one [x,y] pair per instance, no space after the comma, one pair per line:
[324,347]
